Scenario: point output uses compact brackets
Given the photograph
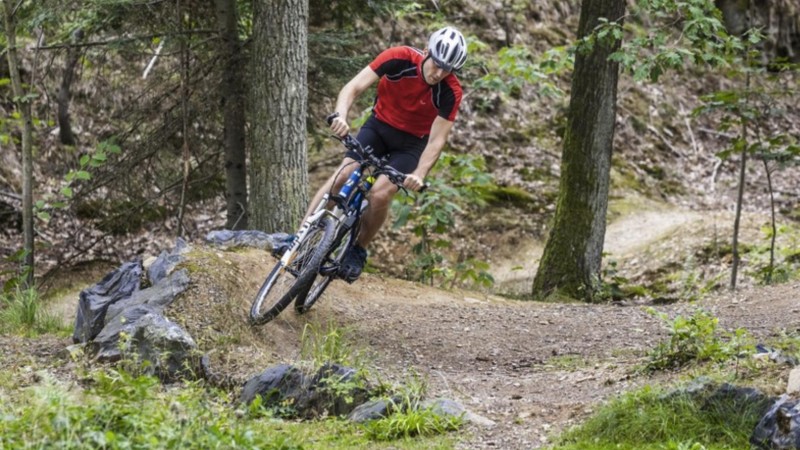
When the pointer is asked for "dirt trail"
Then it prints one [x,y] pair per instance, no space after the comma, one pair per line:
[514,273]
[532,368]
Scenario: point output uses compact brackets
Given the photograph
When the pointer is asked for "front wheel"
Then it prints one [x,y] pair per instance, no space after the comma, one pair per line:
[330,265]
[285,282]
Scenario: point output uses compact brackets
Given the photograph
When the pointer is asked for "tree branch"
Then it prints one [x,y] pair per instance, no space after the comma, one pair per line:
[125,40]
[11,195]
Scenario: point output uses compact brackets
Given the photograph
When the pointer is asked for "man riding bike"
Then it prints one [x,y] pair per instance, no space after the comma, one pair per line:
[417,102]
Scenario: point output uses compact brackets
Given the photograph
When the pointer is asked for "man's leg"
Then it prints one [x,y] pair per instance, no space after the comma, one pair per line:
[380,200]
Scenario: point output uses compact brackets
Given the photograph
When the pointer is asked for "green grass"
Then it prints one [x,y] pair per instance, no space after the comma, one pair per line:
[22,312]
[649,419]
[118,410]
[411,423]
[330,343]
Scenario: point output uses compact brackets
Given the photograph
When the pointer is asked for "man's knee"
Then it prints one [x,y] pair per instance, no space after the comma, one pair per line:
[381,195]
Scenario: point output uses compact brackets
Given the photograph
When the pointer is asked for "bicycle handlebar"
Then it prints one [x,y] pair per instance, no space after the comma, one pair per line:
[394,175]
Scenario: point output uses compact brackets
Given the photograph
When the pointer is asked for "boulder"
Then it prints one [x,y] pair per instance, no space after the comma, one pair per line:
[333,390]
[779,429]
[273,385]
[95,301]
[166,262]
[169,351]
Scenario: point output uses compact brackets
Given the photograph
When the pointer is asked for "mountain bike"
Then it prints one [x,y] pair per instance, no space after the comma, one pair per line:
[312,260]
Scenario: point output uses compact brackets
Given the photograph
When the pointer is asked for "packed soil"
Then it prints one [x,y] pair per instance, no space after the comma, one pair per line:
[532,368]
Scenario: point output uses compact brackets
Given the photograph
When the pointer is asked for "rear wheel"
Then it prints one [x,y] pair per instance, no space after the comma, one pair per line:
[330,265]
[285,282]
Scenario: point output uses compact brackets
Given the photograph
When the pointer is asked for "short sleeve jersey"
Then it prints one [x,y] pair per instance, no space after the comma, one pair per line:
[405,101]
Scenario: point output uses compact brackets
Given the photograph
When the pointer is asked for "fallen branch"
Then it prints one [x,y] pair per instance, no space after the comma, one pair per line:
[665,141]
[11,195]
[715,173]
[716,133]
[689,128]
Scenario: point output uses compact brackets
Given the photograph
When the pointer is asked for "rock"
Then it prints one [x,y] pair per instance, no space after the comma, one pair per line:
[246,238]
[106,344]
[170,351]
[273,385]
[158,296]
[166,262]
[451,408]
[728,399]
[777,356]
[94,301]
[373,410]
[333,390]
[780,427]
[793,386]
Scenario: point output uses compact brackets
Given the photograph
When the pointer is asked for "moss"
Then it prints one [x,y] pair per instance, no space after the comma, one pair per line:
[654,171]
[507,195]
[623,177]
[638,125]
[554,36]
[559,296]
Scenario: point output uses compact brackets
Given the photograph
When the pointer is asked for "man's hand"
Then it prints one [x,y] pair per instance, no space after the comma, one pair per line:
[339,126]
[413,182]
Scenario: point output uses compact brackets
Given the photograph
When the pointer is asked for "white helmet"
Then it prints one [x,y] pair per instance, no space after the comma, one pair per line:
[448,48]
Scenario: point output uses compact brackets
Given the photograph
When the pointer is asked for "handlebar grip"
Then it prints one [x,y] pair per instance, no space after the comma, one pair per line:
[424,188]
[330,118]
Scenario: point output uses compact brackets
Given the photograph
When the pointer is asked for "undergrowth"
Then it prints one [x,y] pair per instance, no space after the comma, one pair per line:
[409,417]
[697,338]
[117,410]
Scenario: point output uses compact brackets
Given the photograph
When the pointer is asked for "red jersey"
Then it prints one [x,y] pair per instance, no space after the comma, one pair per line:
[405,101]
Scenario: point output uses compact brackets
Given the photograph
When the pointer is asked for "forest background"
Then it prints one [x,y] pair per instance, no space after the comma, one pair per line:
[153,143]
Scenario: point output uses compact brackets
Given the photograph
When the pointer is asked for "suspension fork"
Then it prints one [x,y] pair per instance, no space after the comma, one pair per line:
[313,219]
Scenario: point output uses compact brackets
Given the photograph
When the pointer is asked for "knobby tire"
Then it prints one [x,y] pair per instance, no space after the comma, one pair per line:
[306,298]
[278,289]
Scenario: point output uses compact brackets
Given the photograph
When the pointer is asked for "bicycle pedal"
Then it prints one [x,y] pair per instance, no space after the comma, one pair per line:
[329,271]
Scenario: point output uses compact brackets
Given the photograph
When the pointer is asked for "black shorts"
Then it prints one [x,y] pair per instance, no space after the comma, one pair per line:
[404,149]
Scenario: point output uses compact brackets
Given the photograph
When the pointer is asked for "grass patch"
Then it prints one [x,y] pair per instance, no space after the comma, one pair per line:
[409,417]
[322,344]
[118,410]
[411,423]
[567,362]
[650,419]
[22,312]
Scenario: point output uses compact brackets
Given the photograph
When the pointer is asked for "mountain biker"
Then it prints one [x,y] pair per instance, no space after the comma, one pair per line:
[417,101]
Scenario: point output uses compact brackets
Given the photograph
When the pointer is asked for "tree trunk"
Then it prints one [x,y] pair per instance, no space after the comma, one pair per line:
[278,164]
[24,105]
[64,95]
[232,90]
[570,265]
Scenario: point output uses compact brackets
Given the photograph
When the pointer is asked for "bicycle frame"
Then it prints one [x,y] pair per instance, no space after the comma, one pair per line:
[346,200]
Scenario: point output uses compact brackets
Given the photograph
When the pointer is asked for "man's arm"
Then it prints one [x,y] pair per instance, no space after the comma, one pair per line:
[348,95]
[439,131]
